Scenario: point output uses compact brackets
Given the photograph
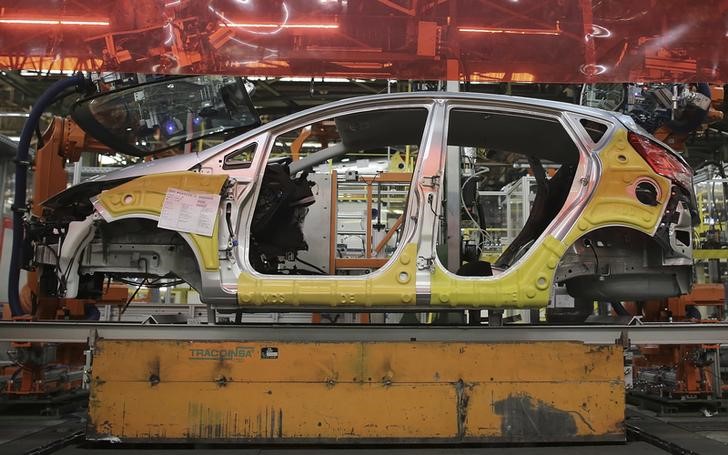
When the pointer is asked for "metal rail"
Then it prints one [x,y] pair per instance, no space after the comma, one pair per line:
[79,332]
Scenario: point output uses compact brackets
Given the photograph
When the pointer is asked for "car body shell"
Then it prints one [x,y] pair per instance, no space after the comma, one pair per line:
[601,197]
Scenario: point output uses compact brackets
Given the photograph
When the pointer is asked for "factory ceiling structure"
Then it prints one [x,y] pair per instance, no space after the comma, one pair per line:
[210,239]
[472,40]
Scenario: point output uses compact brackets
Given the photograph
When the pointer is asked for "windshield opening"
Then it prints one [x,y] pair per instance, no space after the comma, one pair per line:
[162,115]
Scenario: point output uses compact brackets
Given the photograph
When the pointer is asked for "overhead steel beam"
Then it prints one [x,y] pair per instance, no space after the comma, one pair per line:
[8,147]
[64,332]
[277,94]
[365,87]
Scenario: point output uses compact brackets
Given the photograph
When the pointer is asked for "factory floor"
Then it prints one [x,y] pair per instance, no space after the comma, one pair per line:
[647,433]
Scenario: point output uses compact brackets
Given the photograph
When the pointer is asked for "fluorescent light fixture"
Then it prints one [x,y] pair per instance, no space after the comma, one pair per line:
[257,25]
[54,22]
[512,31]
[99,23]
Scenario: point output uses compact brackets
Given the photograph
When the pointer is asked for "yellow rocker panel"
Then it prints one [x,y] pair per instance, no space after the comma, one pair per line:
[528,284]
[394,286]
[145,196]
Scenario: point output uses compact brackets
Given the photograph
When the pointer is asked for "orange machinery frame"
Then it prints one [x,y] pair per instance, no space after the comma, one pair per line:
[694,377]
[62,141]
[368,261]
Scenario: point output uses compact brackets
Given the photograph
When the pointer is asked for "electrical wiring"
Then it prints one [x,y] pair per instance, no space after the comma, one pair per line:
[142,283]
[430,199]
[156,283]
[464,206]
[589,244]
[318,269]
[61,279]
[136,291]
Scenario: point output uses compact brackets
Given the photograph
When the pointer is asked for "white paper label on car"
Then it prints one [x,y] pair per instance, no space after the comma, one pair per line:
[185,211]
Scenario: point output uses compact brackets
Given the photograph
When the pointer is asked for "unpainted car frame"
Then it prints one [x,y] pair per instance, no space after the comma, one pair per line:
[623,232]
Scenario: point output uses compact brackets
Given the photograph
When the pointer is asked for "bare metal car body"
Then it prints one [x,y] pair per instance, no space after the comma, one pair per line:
[607,241]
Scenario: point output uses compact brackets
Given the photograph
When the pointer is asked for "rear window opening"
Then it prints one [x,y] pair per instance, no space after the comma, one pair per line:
[537,137]
[595,130]
[514,174]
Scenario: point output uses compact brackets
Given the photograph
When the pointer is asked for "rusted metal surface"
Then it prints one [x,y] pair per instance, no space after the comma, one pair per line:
[237,391]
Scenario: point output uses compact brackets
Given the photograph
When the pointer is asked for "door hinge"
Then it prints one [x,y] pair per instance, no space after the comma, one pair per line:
[431,181]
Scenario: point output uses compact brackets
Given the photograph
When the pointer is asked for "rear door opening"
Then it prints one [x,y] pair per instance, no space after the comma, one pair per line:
[514,173]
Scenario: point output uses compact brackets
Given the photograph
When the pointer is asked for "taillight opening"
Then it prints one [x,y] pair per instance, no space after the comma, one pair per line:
[662,161]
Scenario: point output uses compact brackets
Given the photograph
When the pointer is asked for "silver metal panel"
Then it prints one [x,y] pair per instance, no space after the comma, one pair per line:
[452,207]
[169,164]
[426,202]
[452,196]
[675,333]
[317,224]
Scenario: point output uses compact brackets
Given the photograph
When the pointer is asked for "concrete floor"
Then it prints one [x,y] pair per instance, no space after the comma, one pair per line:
[653,435]
[692,433]
[631,448]
[24,434]
[715,428]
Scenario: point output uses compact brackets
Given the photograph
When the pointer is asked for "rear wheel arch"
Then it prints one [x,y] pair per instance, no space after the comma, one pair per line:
[620,263]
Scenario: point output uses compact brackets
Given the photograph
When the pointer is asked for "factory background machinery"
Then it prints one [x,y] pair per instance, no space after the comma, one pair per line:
[144,363]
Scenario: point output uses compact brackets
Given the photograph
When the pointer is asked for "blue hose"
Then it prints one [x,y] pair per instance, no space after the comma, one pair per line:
[22,161]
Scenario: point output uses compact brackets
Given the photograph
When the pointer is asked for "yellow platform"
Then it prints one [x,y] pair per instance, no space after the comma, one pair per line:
[237,391]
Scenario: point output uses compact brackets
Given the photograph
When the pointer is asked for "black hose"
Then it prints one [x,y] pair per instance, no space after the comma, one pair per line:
[318,269]
[619,309]
[22,162]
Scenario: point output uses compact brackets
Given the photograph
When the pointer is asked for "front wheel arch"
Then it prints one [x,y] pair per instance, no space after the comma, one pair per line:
[176,252]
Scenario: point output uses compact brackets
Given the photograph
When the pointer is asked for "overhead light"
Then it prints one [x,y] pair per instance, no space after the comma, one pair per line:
[600,32]
[99,23]
[258,25]
[361,65]
[36,73]
[14,114]
[592,69]
[513,31]
[29,21]
[69,21]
